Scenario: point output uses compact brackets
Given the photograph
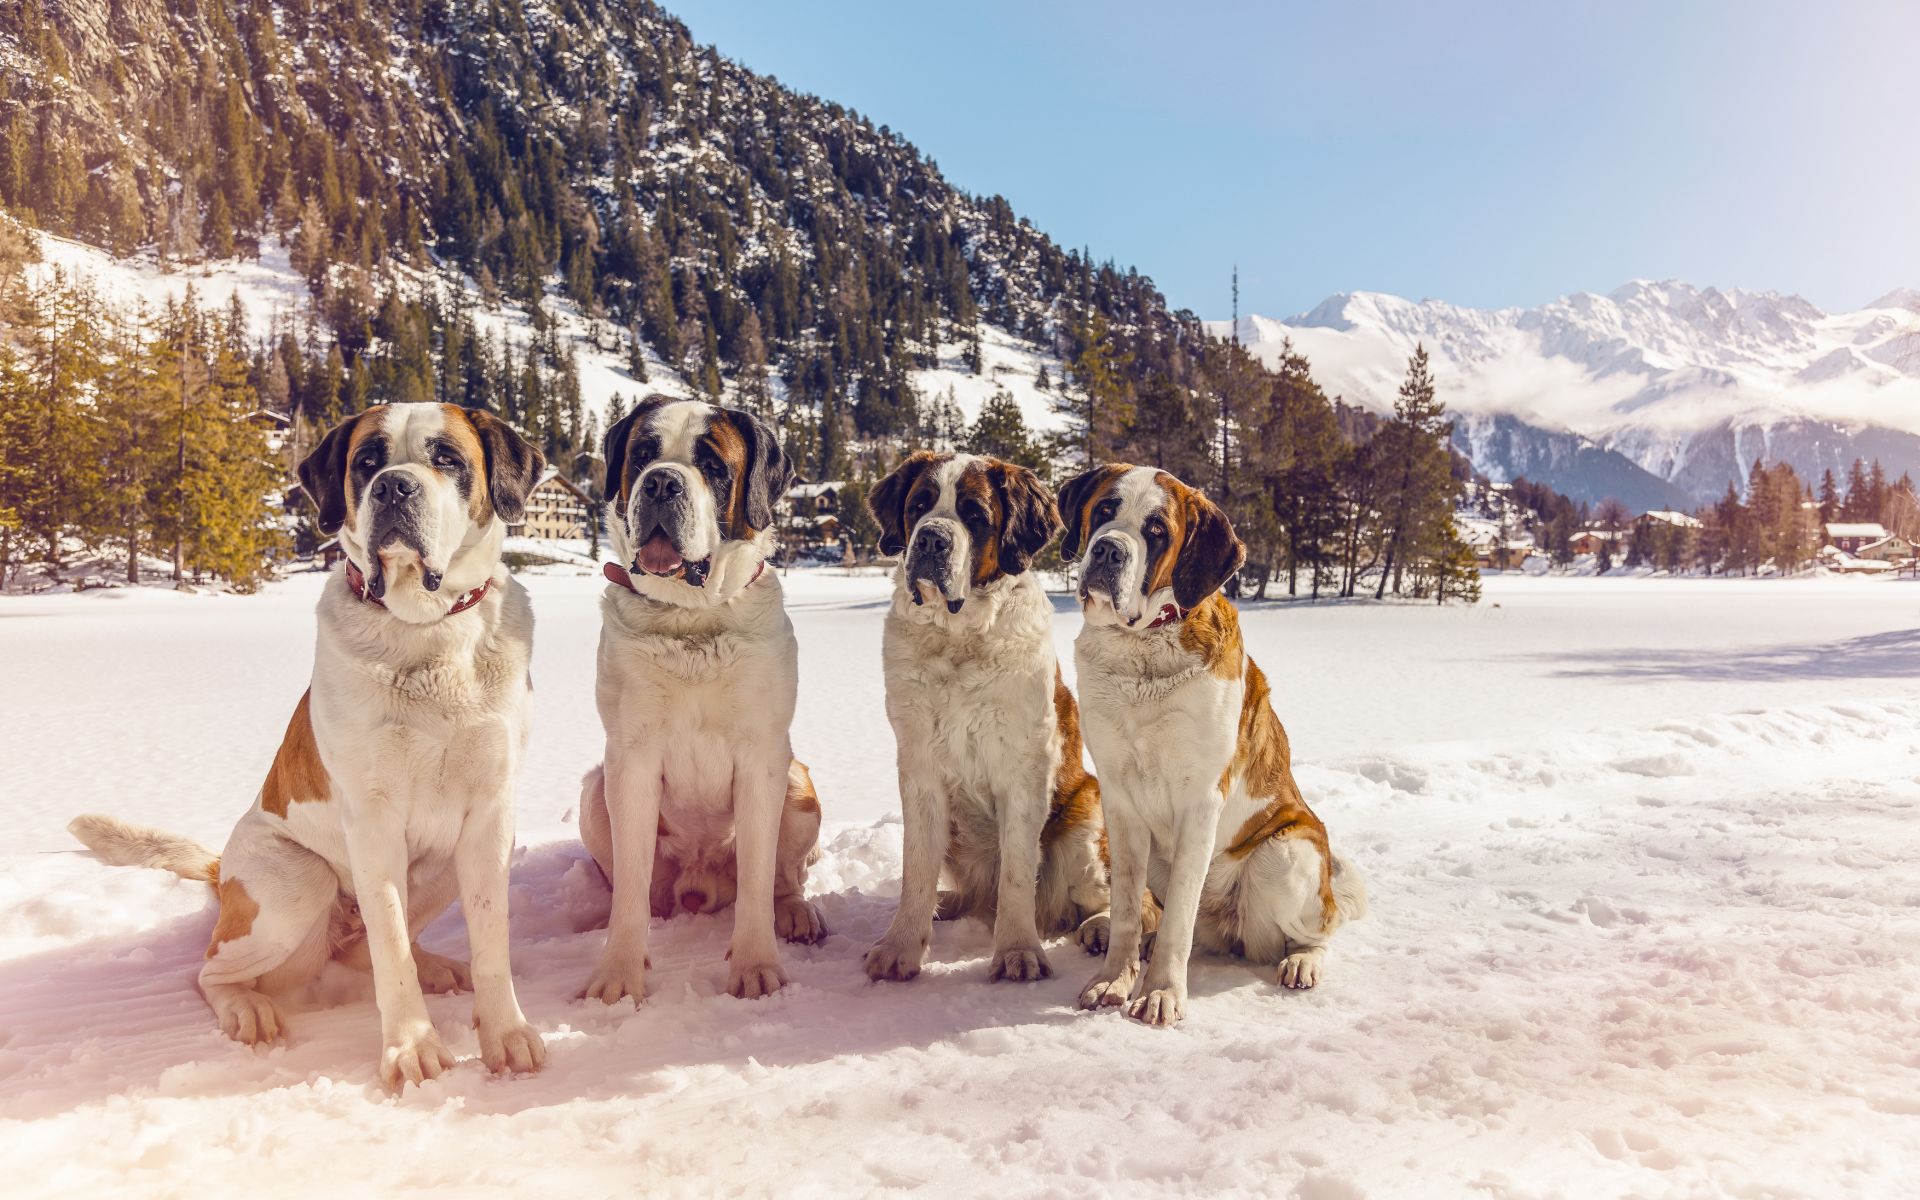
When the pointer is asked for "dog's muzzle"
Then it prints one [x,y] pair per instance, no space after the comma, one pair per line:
[1107,561]
[930,561]
[660,519]
[396,498]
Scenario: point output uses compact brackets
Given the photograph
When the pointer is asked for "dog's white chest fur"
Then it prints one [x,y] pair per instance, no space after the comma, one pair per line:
[970,694]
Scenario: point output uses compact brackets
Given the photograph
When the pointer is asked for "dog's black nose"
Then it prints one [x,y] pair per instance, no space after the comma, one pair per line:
[1107,552]
[932,539]
[394,485]
[663,485]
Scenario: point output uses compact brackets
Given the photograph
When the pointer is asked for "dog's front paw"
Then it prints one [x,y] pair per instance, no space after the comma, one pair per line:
[439,974]
[751,980]
[615,978]
[1301,969]
[249,1017]
[1094,933]
[1160,1006]
[891,960]
[414,1056]
[798,919]
[1020,964]
[511,1047]
[1107,991]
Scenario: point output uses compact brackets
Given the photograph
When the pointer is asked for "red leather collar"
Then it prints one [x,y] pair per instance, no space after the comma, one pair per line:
[1169,613]
[357,582]
[616,573]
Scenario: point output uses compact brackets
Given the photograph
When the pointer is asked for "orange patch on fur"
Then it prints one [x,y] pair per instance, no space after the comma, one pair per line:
[1211,632]
[365,426]
[724,437]
[1263,763]
[1098,491]
[1176,513]
[800,792]
[973,484]
[1076,794]
[297,775]
[237,913]
[460,431]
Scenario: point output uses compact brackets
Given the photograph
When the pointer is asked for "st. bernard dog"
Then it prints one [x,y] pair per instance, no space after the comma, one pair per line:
[699,801]
[392,791]
[992,786]
[1195,770]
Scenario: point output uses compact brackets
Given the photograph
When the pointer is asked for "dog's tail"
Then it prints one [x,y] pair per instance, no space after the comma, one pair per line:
[1349,890]
[124,845]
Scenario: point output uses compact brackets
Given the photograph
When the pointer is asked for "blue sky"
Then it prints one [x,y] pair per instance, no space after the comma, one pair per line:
[1489,154]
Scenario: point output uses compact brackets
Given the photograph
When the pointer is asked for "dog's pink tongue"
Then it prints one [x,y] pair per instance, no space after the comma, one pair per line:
[658,557]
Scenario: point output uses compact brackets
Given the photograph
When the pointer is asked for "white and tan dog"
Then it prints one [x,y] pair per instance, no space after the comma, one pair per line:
[392,791]
[992,785]
[699,796]
[1197,777]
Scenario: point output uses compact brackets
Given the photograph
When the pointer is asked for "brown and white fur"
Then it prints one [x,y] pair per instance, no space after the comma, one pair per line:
[992,783]
[1200,800]
[392,791]
[699,801]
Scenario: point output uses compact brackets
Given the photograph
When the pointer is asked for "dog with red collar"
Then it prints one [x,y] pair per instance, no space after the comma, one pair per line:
[699,802]
[392,790]
[1195,769]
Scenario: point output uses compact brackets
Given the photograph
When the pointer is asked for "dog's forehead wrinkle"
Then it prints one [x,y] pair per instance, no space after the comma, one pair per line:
[678,427]
[1140,494]
[411,430]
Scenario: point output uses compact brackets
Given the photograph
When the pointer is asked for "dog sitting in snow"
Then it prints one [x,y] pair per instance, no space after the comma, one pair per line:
[699,801]
[392,791]
[1196,773]
[992,785]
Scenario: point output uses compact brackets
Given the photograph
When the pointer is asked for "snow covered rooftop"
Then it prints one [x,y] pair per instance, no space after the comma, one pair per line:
[1667,516]
[1857,529]
[813,491]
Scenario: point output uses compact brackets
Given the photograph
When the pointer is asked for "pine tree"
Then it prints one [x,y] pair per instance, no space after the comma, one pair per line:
[1419,486]
[1001,431]
[1829,497]
[1103,408]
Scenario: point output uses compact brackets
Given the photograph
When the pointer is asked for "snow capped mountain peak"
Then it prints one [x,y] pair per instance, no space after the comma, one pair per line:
[1647,368]
[1906,298]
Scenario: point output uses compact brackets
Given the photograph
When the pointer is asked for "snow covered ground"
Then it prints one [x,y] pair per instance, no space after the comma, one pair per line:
[1645,922]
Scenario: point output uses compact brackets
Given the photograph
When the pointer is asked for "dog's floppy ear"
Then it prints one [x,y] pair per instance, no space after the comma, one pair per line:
[888,500]
[513,465]
[1211,553]
[323,476]
[1075,500]
[1031,519]
[614,448]
[769,471]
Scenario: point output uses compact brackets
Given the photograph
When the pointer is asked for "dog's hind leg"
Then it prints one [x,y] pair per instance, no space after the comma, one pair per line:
[1284,917]
[427,897]
[796,918]
[271,936]
[1073,896]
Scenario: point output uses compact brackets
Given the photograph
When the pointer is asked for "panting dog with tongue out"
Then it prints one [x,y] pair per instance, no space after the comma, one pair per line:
[699,801]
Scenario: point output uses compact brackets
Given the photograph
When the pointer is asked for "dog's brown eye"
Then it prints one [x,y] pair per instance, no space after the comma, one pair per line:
[446,459]
[1155,528]
[369,461]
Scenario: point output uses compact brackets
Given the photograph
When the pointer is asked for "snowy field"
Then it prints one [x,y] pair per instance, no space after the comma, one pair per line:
[1646,921]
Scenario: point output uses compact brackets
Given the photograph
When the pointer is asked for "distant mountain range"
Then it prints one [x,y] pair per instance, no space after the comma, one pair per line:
[1658,394]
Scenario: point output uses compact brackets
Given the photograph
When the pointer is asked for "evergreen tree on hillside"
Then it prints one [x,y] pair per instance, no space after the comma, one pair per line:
[1419,488]
[1001,431]
[1829,497]
[1098,405]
